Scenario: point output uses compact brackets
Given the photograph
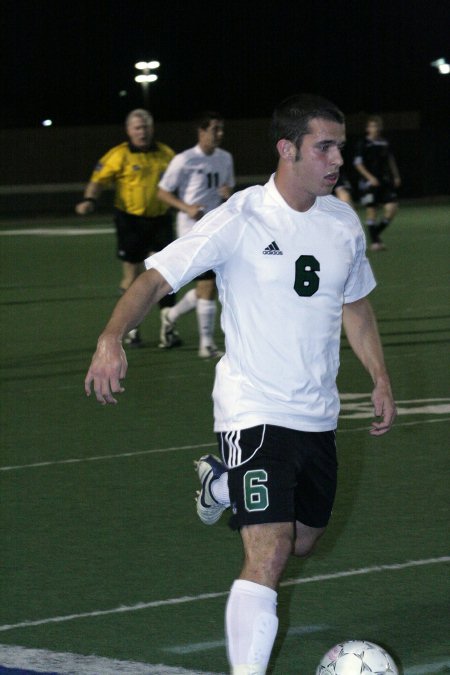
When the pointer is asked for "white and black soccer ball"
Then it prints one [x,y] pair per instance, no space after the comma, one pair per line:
[357,657]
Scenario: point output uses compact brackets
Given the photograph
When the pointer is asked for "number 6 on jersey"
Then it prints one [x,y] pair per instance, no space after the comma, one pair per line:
[306,280]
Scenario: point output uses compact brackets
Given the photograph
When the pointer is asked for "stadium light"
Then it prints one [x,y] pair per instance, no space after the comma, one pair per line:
[442,66]
[145,77]
[147,65]
[151,77]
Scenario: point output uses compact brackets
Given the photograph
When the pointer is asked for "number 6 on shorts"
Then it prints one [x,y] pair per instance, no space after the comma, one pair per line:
[256,495]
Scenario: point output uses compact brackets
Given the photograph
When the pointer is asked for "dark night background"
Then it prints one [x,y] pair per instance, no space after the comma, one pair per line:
[68,61]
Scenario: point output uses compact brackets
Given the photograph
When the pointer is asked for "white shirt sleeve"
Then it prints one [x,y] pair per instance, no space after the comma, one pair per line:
[209,243]
[171,178]
[361,280]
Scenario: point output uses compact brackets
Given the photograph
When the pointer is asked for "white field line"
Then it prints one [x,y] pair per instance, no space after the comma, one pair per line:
[441,409]
[425,668]
[135,453]
[216,644]
[209,596]
[366,395]
[398,424]
[66,663]
[99,458]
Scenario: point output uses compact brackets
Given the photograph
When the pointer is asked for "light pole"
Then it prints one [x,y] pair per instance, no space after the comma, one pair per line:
[146,76]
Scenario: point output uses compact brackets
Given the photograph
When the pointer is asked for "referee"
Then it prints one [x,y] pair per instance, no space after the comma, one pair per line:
[143,223]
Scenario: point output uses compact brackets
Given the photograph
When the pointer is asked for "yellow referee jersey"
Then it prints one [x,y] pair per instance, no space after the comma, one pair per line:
[136,176]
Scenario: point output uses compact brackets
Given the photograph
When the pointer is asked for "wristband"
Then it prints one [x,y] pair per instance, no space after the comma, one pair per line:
[90,199]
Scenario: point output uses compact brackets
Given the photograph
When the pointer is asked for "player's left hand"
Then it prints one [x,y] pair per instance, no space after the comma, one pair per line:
[384,408]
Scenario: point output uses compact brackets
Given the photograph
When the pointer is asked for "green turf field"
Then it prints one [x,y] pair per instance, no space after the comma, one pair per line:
[102,552]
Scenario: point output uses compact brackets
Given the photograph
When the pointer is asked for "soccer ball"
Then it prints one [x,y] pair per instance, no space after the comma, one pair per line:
[355,657]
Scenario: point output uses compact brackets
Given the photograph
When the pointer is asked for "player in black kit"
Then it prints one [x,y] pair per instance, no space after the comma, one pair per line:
[379,180]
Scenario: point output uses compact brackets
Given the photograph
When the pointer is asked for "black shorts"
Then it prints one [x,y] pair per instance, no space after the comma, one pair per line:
[278,475]
[206,275]
[138,236]
[382,194]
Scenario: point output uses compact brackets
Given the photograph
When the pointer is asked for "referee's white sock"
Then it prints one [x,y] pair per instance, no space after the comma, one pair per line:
[251,627]
[187,303]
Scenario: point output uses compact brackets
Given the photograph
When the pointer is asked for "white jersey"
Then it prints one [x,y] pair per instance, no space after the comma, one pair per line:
[196,177]
[283,277]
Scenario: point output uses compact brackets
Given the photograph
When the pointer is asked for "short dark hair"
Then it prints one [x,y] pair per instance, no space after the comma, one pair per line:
[291,117]
[203,119]
[376,119]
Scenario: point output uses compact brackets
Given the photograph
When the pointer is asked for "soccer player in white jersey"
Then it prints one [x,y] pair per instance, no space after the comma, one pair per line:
[195,182]
[291,268]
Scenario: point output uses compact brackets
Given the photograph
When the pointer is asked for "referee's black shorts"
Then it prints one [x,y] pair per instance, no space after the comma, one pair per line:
[137,236]
[280,475]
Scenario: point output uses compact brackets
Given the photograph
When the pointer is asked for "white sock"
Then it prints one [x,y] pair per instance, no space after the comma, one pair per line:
[187,303]
[219,489]
[206,318]
[251,627]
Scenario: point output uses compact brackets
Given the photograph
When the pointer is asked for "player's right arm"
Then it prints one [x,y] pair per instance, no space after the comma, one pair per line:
[194,211]
[362,333]
[358,163]
[373,180]
[109,364]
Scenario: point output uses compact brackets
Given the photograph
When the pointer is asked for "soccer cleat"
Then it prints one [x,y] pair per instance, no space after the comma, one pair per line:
[133,338]
[209,468]
[377,246]
[168,336]
[210,352]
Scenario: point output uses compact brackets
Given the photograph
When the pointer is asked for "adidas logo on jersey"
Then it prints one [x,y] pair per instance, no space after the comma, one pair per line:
[272,249]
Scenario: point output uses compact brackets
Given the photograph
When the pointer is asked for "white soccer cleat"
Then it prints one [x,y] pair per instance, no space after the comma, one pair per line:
[168,335]
[210,352]
[209,468]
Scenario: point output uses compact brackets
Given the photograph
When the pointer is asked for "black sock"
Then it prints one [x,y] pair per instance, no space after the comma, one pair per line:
[372,229]
[382,225]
